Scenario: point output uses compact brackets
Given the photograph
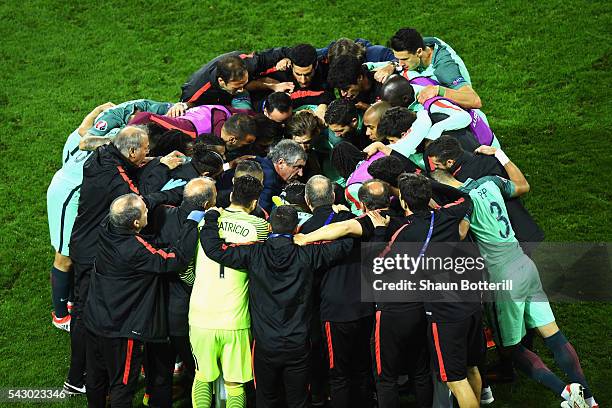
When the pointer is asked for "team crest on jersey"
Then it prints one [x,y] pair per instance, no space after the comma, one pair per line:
[458,80]
[101,125]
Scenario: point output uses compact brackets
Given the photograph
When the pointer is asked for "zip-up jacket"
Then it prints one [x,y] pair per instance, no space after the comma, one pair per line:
[280,281]
[127,292]
[315,94]
[166,225]
[202,88]
[341,284]
[106,176]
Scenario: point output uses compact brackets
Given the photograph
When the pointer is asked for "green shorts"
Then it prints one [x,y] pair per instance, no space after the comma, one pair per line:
[62,207]
[221,351]
[525,306]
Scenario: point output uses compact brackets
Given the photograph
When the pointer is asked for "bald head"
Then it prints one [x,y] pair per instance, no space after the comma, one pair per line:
[200,193]
[374,195]
[128,211]
[319,192]
[371,117]
[133,143]
[397,91]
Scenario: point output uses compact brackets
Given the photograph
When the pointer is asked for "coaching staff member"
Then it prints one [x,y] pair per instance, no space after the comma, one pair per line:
[126,302]
[166,225]
[280,296]
[111,171]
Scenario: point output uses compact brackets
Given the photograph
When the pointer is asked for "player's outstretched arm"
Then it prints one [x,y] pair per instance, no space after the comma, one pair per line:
[521,185]
[88,121]
[376,147]
[465,96]
[89,143]
[457,118]
[330,232]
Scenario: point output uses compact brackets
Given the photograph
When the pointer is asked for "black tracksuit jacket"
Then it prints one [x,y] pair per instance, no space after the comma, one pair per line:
[167,225]
[106,176]
[280,282]
[341,285]
[202,87]
[127,290]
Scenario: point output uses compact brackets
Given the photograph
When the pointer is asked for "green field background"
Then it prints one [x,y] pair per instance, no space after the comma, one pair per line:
[541,68]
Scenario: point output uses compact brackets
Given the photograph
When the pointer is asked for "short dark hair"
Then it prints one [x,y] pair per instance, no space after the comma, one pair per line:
[344,71]
[155,131]
[320,191]
[206,160]
[231,68]
[284,219]
[345,158]
[246,189]
[126,215]
[240,125]
[248,167]
[415,190]
[444,148]
[371,200]
[406,39]
[280,101]
[268,131]
[210,139]
[304,122]
[387,169]
[395,122]
[340,112]
[303,55]
[168,141]
[346,46]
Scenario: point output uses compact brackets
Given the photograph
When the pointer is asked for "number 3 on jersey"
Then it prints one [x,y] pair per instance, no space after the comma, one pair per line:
[496,210]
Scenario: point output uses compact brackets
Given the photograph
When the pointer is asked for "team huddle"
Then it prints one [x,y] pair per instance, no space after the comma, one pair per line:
[224,234]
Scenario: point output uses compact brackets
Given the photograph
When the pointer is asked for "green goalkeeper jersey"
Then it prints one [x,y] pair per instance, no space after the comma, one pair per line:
[489,221]
[220,296]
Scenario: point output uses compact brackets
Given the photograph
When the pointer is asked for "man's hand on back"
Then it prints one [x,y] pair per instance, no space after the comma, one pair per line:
[378,220]
[173,160]
[428,92]
[283,87]
[383,73]
[300,239]
[283,64]
[487,150]
[176,110]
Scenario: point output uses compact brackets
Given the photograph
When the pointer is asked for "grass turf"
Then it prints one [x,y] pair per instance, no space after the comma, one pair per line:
[542,70]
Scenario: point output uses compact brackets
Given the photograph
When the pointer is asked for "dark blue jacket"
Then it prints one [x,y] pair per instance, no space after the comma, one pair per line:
[273,184]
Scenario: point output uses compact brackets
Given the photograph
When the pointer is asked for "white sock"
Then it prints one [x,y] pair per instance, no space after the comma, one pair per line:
[565,394]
